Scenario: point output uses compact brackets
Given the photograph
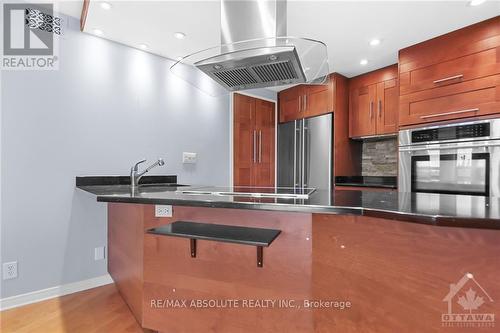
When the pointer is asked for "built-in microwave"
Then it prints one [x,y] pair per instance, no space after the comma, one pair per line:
[459,158]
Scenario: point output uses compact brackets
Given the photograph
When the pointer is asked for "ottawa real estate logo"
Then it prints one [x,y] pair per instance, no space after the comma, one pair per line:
[465,300]
[30,36]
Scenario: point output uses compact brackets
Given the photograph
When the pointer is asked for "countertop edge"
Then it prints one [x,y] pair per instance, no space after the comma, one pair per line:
[434,220]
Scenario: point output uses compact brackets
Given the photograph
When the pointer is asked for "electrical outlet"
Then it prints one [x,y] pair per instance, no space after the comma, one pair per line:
[188,158]
[9,270]
[163,211]
[99,253]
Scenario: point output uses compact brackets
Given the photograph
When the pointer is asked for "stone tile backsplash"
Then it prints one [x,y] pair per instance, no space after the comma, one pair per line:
[380,157]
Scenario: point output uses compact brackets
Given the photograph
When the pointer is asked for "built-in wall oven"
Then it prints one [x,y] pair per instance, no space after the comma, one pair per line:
[459,158]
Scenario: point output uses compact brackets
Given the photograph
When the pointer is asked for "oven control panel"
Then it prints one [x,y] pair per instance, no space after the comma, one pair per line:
[451,133]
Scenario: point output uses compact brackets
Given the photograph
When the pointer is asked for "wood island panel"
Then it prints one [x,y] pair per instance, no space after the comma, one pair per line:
[396,274]
[223,271]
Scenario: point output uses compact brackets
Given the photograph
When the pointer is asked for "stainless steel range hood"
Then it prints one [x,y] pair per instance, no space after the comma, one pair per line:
[255,51]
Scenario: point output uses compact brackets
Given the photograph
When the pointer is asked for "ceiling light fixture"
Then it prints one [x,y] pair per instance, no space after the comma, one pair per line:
[474,3]
[179,35]
[98,32]
[106,5]
[363,62]
[143,46]
[375,42]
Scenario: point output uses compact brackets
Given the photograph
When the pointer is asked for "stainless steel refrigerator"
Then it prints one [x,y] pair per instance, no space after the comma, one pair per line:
[305,153]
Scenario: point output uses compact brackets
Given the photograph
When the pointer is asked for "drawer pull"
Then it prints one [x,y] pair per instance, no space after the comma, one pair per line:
[459,76]
[449,113]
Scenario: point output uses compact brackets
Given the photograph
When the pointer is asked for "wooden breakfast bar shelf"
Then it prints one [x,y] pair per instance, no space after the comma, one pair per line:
[258,237]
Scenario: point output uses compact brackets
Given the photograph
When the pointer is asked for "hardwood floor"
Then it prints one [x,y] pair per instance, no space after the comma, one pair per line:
[96,310]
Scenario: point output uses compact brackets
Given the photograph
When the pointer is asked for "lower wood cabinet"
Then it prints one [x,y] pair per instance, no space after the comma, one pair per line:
[373,103]
[253,141]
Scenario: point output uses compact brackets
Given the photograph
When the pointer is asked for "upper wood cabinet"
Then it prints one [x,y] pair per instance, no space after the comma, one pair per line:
[373,103]
[452,76]
[305,101]
[318,99]
[291,104]
[253,141]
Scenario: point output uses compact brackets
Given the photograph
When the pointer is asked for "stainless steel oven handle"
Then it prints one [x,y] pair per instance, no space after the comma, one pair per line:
[443,147]
[449,113]
[459,76]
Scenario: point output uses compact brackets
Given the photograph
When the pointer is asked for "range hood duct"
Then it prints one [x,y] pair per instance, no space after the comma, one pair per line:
[255,51]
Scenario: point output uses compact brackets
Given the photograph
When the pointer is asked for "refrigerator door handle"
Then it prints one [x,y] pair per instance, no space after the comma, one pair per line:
[294,153]
[303,153]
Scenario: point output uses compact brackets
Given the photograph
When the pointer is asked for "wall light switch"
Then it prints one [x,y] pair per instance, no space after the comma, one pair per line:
[188,158]
[163,211]
[100,253]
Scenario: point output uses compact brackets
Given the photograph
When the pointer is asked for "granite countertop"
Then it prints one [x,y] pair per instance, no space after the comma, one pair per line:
[367,181]
[434,209]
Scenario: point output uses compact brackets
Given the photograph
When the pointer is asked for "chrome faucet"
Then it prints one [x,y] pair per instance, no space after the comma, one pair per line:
[135,175]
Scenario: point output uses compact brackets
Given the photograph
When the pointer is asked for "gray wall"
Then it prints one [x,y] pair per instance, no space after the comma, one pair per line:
[380,157]
[107,106]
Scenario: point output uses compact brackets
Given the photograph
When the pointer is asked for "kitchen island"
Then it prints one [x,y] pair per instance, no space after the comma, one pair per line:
[346,261]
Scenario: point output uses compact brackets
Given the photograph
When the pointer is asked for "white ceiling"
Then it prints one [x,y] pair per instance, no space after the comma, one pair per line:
[345,26]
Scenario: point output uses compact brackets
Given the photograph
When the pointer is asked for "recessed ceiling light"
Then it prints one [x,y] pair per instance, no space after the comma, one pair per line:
[375,42]
[363,62]
[106,5]
[143,46]
[476,2]
[179,35]
[98,32]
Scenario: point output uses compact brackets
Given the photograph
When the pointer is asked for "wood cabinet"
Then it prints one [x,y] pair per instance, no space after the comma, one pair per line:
[291,104]
[254,141]
[452,76]
[373,103]
[318,99]
[305,101]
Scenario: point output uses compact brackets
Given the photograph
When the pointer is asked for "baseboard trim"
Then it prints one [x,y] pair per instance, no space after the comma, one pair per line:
[57,291]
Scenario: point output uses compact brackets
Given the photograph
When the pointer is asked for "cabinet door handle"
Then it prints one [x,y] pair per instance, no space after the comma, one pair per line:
[380,108]
[449,113]
[305,102]
[254,146]
[371,110]
[260,146]
[459,76]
